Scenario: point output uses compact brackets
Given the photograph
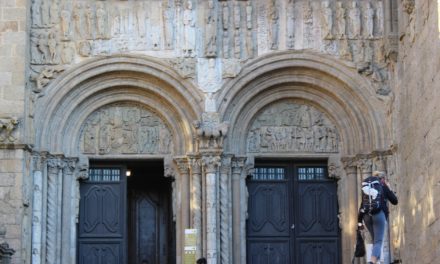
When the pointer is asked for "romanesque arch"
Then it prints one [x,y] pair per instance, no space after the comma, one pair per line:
[332,86]
[76,94]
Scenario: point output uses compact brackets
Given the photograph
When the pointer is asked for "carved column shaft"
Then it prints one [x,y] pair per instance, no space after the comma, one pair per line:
[53,164]
[225,212]
[37,208]
[349,215]
[211,164]
[196,201]
[237,168]
[182,185]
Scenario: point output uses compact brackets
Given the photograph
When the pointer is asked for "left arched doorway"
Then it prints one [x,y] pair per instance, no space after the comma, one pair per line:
[126,214]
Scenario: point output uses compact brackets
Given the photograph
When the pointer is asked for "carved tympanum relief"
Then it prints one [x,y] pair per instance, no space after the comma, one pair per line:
[292,127]
[125,129]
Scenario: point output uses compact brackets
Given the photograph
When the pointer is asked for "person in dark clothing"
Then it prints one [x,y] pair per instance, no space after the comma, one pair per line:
[376,222]
[201,261]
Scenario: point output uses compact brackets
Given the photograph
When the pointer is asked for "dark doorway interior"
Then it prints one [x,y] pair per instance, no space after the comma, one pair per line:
[126,217]
[150,226]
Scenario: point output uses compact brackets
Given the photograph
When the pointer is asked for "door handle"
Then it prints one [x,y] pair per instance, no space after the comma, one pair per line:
[293,226]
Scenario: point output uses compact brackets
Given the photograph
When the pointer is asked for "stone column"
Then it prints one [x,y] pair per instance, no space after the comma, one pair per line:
[237,170]
[350,200]
[211,164]
[365,165]
[225,212]
[52,212]
[196,200]
[183,201]
[37,207]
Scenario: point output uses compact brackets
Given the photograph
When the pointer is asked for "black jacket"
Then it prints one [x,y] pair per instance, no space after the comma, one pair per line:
[388,196]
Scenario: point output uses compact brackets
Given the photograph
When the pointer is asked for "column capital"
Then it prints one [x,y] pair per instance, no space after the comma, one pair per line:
[211,163]
[195,163]
[182,165]
[226,162]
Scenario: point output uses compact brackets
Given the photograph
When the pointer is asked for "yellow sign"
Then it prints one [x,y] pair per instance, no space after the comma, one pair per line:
[190,246]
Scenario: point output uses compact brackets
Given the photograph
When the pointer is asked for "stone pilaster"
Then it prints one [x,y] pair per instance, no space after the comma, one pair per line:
[38,160]
[196,200]
[238,164]
[182,204]
[225,209]
[54,164]
[211,164]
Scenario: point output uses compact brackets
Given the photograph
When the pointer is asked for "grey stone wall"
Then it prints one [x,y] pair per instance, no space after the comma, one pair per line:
[416,222]
[13,32]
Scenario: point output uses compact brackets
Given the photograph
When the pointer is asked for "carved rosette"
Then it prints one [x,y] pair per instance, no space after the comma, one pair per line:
[292,127]
[125,129]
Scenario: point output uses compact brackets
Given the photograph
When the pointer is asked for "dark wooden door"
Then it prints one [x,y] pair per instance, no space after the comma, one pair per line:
[149,241]
[101,232]
[292,215]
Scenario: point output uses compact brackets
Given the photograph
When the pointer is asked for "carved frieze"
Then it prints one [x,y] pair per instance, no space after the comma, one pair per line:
[125,129]
[292,127]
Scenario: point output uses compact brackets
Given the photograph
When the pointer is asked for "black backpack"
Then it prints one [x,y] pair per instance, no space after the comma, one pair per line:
[372,195]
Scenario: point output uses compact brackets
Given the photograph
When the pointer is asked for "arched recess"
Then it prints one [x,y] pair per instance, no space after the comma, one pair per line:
[334,87]
[87,87]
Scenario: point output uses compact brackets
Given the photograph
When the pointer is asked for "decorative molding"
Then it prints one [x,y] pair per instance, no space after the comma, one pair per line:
[210,132]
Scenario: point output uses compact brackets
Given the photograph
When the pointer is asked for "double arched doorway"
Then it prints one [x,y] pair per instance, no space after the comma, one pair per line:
[298,109]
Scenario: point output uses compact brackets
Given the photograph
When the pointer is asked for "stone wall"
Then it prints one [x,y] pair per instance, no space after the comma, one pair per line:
[417,130]
[13,50]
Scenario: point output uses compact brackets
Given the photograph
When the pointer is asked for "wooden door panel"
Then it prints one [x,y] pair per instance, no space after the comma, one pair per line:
[100,253]
[101,206]
[318,251]
[269,210]
[317,210]
[268,252]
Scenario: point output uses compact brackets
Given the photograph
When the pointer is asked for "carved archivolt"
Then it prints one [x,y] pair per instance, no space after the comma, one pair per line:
[292,127]
[125,129]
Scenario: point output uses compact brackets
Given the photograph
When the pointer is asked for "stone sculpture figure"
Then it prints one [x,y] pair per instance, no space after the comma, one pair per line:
[308,24]
[45,13]
[369,21]
[274,25]
[68,53]
[52,44]
[36,54]
[65,23]
[101,21]
[188,24]
[168,17]
[7,127]
[140,19]
[77,20]
[42,47]
[89,17]
[53,10]
[237,15]
[379,18]
[355,19]
[249,15]
[341,19]
[36,13]
[327,20]
[117,21]
[211,31]
[225,17]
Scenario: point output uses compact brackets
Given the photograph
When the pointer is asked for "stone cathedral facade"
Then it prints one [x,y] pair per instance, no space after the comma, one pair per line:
[163,131]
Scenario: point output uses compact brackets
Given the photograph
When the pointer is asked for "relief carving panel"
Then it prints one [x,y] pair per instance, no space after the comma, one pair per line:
[125,129]
[292,127]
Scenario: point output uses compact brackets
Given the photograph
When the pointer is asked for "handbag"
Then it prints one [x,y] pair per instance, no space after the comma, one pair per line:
[359,250]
